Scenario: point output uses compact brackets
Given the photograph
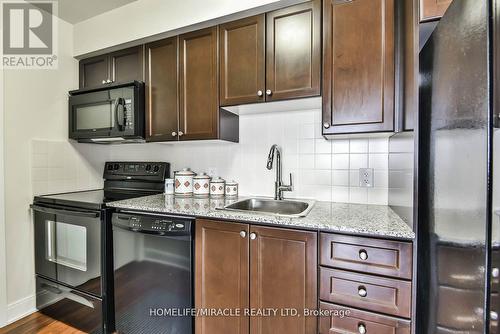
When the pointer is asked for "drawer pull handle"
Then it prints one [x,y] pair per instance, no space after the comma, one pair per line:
[363,255]
[361,328]
[362,291]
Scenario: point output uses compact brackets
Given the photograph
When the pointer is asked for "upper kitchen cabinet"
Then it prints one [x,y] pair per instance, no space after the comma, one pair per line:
[293,52]
[433,9]
[199,85]
[127,65]
[162,112]
[242,61]
[120,66]
[359,72]
[94,71]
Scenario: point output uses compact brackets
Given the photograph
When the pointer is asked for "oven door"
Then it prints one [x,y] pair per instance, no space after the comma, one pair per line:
[68,247]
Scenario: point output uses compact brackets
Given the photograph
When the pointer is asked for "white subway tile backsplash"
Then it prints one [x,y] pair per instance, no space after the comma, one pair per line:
[325,170]
[323,161]
[306,146]
[340,178]
[378,145]
[340,194]
[358,145]
[340,161]
[323,146]
[357,161]
[358,195]
[378,161]
[378,196]
[340,145]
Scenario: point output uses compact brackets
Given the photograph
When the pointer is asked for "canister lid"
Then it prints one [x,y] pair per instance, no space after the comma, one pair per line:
[232,183]
[185,172]
[202,176]
[217,179]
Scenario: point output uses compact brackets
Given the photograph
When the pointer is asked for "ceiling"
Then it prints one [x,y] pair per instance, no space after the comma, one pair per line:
[74,11]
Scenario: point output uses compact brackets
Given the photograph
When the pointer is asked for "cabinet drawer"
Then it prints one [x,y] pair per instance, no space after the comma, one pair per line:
[384,295]
[382,257]
[357,321]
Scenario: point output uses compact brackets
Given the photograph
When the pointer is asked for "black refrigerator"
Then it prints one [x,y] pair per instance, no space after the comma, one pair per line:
[458,187]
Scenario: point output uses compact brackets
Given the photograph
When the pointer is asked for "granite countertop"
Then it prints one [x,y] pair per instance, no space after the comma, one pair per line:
[371,220]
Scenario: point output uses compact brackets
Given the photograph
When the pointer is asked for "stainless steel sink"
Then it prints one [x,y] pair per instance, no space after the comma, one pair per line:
[287,208]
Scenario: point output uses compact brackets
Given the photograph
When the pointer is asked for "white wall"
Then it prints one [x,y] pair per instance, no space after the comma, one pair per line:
[3,273]
[144,18]
[35,104]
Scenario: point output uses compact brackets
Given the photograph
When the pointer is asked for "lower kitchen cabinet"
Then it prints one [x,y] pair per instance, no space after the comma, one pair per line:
[246,267]
[344,320]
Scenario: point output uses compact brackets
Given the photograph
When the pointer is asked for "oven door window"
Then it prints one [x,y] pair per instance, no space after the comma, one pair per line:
[97,116]
[66,244]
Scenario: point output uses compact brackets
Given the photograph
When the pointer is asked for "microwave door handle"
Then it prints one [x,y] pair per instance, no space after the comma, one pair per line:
[120,113]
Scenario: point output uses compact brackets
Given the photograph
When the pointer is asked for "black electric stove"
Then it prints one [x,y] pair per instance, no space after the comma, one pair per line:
[73,248]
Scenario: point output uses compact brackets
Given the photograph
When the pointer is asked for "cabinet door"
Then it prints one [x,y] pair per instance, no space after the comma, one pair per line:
[242,61]
[358,86]
[221,275]
[162,121]
[127,65]
[433,9]
[283,275]
[293,57]
[199,94]
[94,71]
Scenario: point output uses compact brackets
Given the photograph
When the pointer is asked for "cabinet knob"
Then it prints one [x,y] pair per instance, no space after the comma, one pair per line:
[362,291]
[269,92]
[495,272]
[253,236]
[363,254]
[174,133]
[103,82]
[260,93]
[493,315]
[326,125]
[109,81]
[361,328]
[181,133]
[243,234]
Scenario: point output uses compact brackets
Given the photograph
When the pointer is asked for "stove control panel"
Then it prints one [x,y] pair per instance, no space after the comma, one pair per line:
[152,224]
[150,171]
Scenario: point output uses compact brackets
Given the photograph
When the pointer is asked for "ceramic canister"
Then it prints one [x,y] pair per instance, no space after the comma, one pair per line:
[201,185]
[217,187]
[184,182]
[231,189]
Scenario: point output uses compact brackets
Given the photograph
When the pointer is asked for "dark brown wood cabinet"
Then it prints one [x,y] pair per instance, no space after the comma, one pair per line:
[127,65]
[221,275]
[199,85]
[372,256]
[120,66]
[356,321]
[293,52]
[162,84]
[242,266]
[433,9]
[94,71]
[359,71]
[242,61]
[283,276]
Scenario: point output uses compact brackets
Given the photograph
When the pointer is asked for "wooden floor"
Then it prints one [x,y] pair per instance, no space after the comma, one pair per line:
[38,323]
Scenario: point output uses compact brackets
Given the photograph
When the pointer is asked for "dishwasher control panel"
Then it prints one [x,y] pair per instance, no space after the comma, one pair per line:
[152,224]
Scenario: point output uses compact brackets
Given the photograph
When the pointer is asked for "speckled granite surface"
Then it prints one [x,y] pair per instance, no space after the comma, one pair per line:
[374,220]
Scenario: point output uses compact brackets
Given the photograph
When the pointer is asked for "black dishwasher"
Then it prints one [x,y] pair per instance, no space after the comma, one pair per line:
[153,273]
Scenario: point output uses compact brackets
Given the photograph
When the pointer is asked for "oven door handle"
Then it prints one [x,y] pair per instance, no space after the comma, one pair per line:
[87,214]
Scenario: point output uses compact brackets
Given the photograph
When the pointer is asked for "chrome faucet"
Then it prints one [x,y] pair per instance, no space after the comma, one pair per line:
[279,187]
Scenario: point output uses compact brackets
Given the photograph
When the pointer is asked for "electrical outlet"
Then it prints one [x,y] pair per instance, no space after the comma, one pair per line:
[366,177]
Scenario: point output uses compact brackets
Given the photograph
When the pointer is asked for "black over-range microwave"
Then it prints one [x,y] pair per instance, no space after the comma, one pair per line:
[111,114]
